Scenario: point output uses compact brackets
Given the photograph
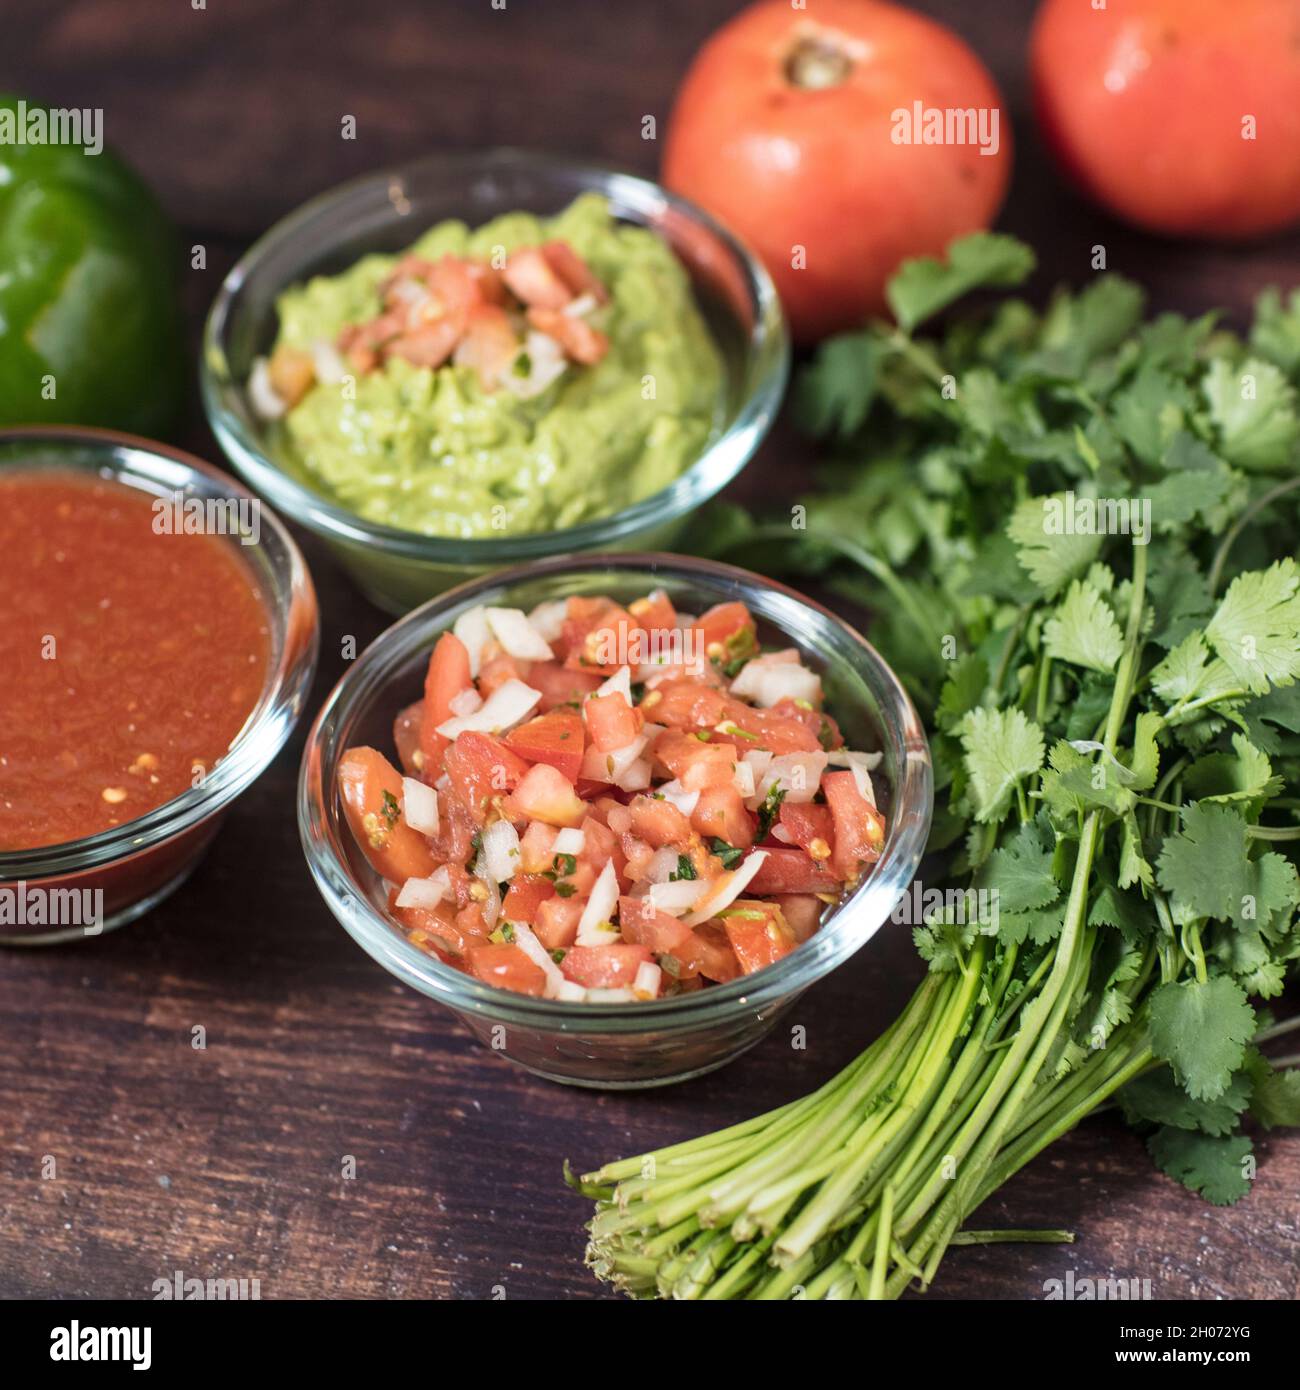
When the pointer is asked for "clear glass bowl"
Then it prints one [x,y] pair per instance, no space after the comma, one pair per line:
[386,212]
[620,1046]
[139,863]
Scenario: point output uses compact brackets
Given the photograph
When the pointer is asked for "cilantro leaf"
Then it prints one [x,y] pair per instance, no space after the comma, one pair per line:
[921,288]
[1020,873]
[834,395]
[1083,630]
[1002,748]
[1050,552]
[1276,330]
[1254,407]
[1256,629]
[961,692]
[1201,1029]
[1214,1167]
[1275,1101]
[1158,1098]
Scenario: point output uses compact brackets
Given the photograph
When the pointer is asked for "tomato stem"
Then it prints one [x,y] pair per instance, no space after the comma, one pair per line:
[817,62]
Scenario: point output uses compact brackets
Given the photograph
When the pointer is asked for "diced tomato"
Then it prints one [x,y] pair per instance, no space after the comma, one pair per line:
[581,341]
[481,768]
[447,676]
[758,933]
[770,730]
[822,727]
[611,721]
[600,844]
[371,789]
[506,966]
[791,871]
[470,921]
[530,277]
[456,831]
[573,270]
[557,738]
[709,953]
[489,345]
[556,925]
[527,892]
[596,634]
[655,612]
[604,967]
[641,924]
[686,704]
[430,926]
[803,913]
[659,822]
[809,826]
[559,685]
[544,793]
[535,847]
[727,631]
[500,668]
[859,827]
[721,812]
[406,737]
[681,752]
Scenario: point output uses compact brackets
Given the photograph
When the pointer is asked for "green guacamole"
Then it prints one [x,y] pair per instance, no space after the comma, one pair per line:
[433,451]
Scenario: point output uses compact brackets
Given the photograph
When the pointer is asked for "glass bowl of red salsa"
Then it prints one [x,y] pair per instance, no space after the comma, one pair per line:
[645,1041]
[159,641]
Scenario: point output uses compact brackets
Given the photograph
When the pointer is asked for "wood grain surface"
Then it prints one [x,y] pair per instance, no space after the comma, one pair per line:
[228,1161]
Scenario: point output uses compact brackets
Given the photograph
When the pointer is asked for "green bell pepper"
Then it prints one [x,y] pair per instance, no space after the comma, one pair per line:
[89,319]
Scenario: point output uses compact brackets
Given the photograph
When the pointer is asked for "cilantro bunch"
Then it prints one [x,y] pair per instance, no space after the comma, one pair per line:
[1075,530]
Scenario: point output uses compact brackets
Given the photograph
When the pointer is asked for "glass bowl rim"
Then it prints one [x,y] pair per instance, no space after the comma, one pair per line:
[287,682]
[871,903]
[720,462]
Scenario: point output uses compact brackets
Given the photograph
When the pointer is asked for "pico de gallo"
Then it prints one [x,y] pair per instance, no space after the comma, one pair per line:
[599,803]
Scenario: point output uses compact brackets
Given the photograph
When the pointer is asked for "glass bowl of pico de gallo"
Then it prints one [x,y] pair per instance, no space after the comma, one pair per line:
[616,812]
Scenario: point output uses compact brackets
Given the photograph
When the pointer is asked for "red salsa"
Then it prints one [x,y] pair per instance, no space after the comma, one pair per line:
[130,656]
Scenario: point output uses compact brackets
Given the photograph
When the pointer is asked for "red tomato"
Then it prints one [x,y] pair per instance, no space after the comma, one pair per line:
[686,705]
[604,967]
[527,892]
[557,920]
[596,634]
[791,871]
[546,794]
[1180,115]
[371,789]
[560,686]
[482,767]
[758,934]
[709,953]
[790,126]
[659,823]
[447,676]
[406,736]
[557,738]
[805,822]
[643,925]
[721,812]
[726,631]
[802,912]
[613,723]
[506,966]
[859,827]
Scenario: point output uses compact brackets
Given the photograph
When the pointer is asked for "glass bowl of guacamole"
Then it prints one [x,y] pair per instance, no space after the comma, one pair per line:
[476,360]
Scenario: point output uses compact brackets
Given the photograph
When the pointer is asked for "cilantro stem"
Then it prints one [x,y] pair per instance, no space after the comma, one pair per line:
[1273,832]
[1257,506]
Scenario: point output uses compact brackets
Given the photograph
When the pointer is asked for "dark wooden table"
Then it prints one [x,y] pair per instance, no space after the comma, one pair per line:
[228,1161]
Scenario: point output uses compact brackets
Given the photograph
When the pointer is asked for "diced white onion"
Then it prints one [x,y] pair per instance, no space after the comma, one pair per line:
[727,888]
[768,683]
[472,629]
[614,765]
[677,897]
[743,779]
[582,304]
[636,776]
[599,908]
[420,806]
[541,957]
[662,865]
[425,892]
[500,851]
[546,362]
[610,996]
[510,626]
[647,981]
[504,708]
[685,801]
[570,840]
[799,775]
[620,683]
[329,365]
[465,702]
[779,832]
[548,618]
[492,904]
[262,396]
